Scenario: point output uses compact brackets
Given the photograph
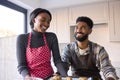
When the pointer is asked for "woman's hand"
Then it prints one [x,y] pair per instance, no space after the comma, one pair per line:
[28,77]
[68,78]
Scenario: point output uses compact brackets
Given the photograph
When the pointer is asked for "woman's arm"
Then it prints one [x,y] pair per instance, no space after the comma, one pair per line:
[56,56]
[21,54]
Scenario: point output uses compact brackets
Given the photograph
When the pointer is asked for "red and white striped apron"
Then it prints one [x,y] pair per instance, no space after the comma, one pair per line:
[38,60]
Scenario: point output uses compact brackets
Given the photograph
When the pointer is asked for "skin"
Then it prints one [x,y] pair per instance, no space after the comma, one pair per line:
[82,29]
[41,22]
[110,78]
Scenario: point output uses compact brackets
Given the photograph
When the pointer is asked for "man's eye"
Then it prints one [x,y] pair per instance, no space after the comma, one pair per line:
[48,22]
[76,27]
[83,27]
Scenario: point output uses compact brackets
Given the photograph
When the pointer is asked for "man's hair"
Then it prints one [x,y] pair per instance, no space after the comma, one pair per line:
[86,20]
[35,12]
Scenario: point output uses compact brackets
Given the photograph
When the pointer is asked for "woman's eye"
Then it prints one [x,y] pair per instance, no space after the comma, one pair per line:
[42,20]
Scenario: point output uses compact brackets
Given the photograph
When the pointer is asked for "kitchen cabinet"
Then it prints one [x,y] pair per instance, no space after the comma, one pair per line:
[59,24]
[63,18]
[96,11]
[53,23]
[114,22]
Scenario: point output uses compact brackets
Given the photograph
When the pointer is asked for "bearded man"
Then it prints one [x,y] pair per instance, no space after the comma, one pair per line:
[85,57]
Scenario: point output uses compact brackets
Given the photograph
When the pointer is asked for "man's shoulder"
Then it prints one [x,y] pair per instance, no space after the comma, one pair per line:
[96,44]
[71,45]
[97,47]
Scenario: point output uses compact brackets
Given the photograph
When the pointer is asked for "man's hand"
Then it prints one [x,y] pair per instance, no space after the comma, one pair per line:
[110,78]
[56,77]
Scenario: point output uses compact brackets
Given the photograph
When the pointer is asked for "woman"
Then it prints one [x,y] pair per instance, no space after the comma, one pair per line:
[34,48]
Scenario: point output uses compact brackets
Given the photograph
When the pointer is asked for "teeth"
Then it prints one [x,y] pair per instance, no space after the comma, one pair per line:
[44,27]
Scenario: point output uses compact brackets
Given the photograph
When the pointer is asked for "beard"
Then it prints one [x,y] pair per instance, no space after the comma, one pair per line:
[82,38]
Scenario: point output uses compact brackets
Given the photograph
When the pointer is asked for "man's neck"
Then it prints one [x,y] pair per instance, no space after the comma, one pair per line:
[83,45]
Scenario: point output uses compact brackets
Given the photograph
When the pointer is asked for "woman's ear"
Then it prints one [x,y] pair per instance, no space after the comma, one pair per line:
[33,20]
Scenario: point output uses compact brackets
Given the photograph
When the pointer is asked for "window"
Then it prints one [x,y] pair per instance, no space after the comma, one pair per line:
[13,19]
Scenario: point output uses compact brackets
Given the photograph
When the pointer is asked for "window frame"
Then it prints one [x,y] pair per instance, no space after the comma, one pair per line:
[17,8]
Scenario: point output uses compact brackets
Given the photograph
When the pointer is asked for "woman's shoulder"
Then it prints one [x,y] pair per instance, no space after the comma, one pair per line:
[22,36]
[51,34]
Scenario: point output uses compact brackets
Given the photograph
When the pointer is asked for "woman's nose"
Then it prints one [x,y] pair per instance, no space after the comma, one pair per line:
[47,24]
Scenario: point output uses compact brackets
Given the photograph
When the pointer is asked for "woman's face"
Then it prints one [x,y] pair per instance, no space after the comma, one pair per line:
[41,22]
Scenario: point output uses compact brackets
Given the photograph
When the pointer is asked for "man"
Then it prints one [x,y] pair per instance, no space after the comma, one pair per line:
[85,57]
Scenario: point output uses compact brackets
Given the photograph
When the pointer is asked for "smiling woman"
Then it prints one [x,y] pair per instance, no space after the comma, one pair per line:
[12,20]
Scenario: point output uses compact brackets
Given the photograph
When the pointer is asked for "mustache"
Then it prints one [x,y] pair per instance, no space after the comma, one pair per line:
[79,33]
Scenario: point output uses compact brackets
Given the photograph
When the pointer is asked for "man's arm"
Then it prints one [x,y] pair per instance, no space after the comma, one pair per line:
[106,66]
[66,58]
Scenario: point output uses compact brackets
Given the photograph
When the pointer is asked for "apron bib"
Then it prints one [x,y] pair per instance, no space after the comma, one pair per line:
[38,60]
[87,66]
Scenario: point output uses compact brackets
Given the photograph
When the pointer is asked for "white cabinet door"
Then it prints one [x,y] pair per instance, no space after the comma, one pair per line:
[53,23]
[114,23]
[60,24]
[97,11]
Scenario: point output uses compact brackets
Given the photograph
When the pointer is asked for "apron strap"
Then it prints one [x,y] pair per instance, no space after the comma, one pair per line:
[29,39]
[44,38]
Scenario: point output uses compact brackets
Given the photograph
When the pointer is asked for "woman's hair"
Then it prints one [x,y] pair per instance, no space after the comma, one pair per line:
[86,20]
[35,12]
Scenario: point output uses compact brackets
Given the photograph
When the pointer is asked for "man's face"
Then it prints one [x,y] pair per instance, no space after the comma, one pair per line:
[81,32]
